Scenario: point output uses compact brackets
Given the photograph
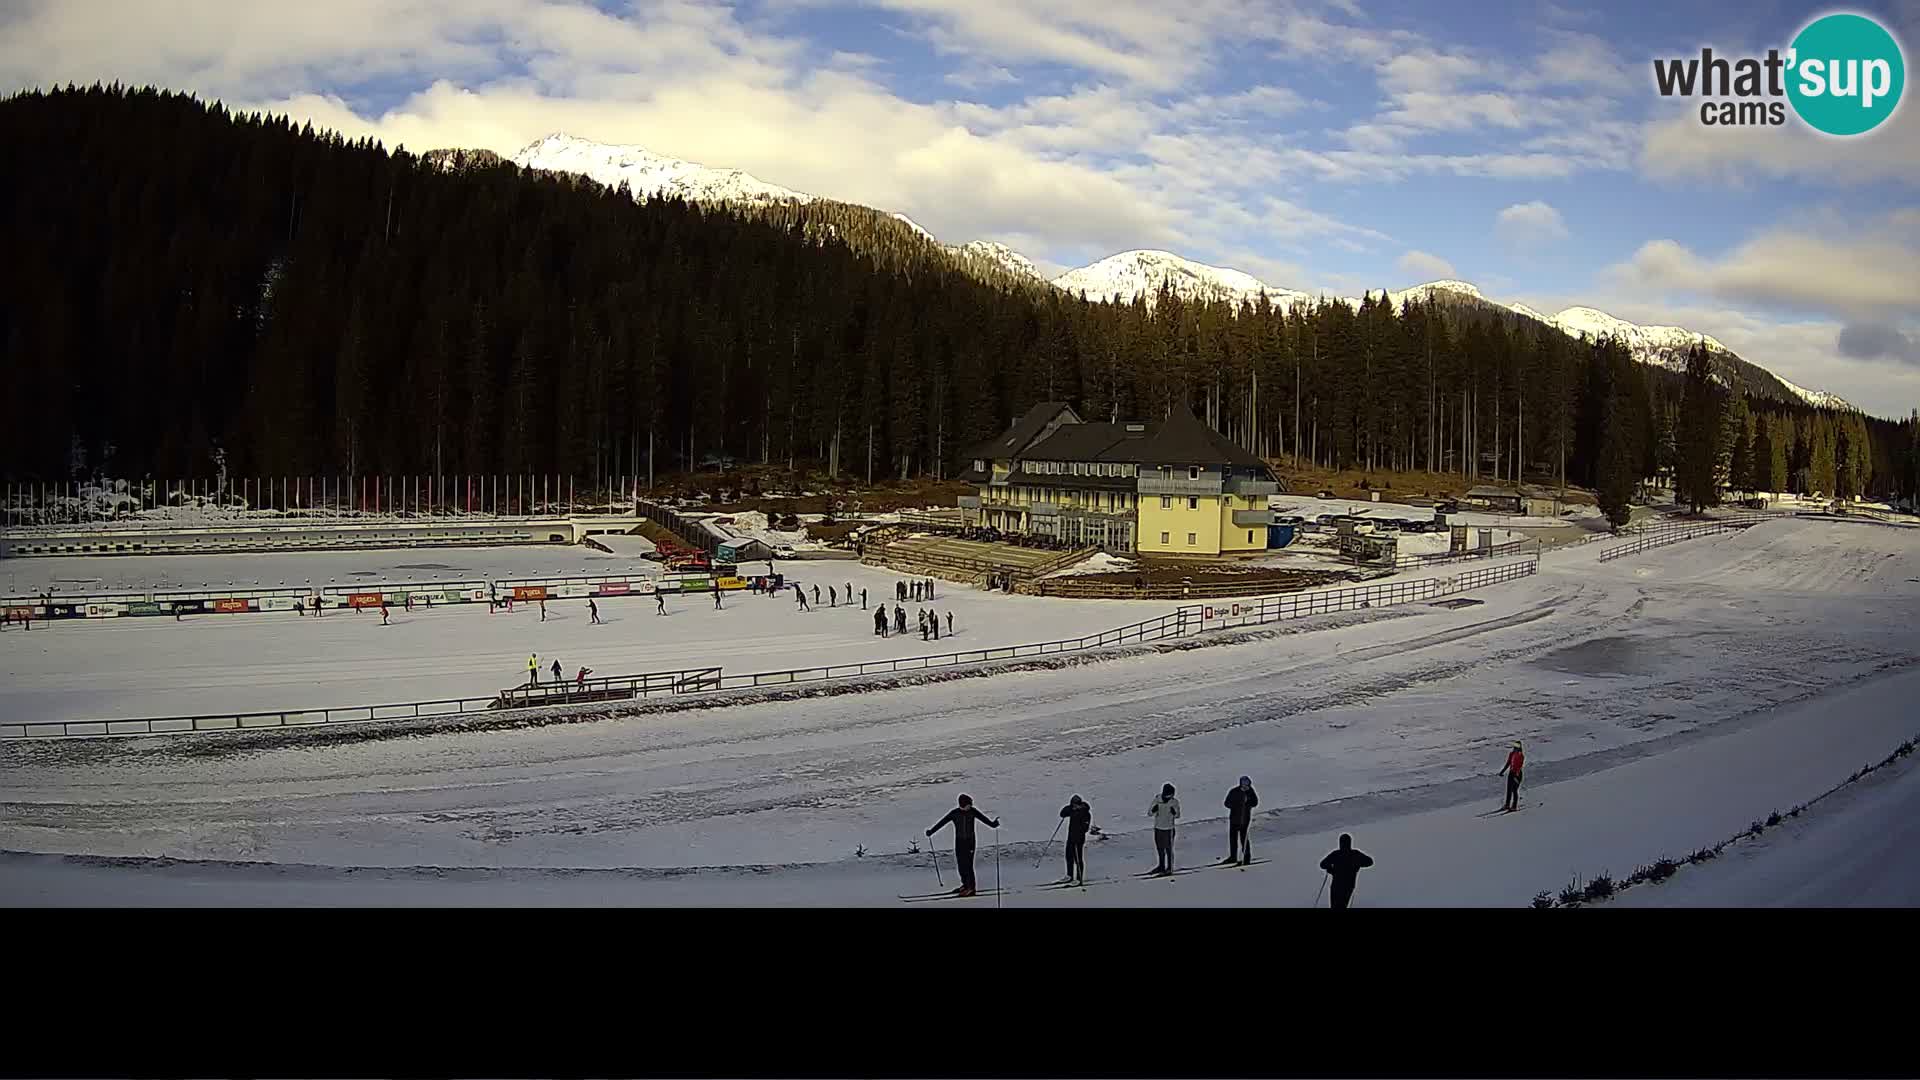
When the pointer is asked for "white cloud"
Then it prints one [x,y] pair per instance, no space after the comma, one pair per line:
[1422,266]
[1529,225]
[1681,149]
[1861,271]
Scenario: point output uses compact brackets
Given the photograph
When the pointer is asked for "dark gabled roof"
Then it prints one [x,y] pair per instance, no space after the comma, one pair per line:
[1182,439]
[1078,442]
[1023,431]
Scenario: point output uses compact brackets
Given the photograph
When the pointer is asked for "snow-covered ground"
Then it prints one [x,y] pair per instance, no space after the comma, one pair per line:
[1309,506]
[1666,700]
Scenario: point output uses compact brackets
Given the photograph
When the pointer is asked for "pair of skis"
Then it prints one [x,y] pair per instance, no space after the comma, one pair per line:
[1503,810]
[1196,869]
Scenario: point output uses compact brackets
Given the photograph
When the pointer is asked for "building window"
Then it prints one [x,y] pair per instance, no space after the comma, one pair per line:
[1249,536]
[1190,540]
[1193,502]
[1229,500]
[1163,538]
[1166,502]
[1193,472]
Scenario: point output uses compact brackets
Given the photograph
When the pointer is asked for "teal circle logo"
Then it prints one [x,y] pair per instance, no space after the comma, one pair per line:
[1845,74]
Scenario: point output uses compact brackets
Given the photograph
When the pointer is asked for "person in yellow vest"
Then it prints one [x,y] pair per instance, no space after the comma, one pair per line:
[533,669]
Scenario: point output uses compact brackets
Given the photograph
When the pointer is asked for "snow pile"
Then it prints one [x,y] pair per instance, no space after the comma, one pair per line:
[1098,563]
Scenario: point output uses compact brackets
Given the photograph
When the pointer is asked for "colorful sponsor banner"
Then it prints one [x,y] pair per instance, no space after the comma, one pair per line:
[613,588]
[478,596]
[363,599]
[642,587]
[230,605]
[186,607]
[276,603]
[22,614]
[529,592]
[730,583]
[145,608]
[565,591]
[104,611]
[667,584]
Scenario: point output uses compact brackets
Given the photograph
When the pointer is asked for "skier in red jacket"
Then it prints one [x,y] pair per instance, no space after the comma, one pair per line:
[1511,770]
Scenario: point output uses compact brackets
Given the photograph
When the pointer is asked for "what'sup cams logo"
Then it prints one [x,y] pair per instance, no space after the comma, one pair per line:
[1843,75]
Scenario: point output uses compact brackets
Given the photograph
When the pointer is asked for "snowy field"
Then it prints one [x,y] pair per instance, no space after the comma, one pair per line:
[129,667]
[1665,699]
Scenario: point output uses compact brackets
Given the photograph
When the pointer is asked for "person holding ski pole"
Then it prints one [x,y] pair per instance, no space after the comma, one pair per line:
[1516,760]
[962,818]
[1241,800]
[1165,813]
[533,669]
[1343,868]
[1079,816]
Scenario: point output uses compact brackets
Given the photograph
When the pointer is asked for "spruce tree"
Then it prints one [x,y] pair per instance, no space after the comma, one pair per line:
[1698,433]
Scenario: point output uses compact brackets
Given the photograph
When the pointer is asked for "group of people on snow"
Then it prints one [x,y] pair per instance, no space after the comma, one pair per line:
[916,590]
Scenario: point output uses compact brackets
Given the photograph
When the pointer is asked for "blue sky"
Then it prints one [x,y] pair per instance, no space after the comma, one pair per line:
[1318,144]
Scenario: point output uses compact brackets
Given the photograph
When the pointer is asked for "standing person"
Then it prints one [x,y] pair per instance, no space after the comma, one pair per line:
[863,598]
[543,609]
[1165,813]
[557,676]
[1344,867]
[1516,760]
[716,596]
[580,678]
[593,613]
[933,624]
[922,615]
[533,669]
[880,623]
[1079,816]
[849,594]
[833,597]
[929,588]
[800,595]
[899,590]
[659,603]
[962,818]
[383,613]
[816,595]
[1241,800]
[949,624]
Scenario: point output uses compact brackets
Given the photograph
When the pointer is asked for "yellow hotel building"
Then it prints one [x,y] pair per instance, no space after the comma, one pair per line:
[1174,487]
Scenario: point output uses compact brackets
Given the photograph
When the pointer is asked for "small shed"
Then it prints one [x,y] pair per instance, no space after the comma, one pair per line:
[743,549]
[1499,500]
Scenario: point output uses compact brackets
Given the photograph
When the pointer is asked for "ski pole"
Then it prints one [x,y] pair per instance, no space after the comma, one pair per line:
[1049,847]
[1316,892]
[933,854]
[997,893]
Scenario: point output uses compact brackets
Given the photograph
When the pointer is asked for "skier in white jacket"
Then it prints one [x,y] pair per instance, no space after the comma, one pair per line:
[1165,812]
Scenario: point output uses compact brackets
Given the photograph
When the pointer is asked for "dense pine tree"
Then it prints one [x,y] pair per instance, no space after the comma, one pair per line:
[182,280]
[1698,434]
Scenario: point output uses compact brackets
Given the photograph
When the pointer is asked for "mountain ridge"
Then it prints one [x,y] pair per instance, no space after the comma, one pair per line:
[1121,277]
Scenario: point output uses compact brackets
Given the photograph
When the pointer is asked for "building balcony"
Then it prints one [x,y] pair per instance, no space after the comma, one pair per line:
[1043,509]
[1178,485]
[1253,489]
[1248,519]
[968,502]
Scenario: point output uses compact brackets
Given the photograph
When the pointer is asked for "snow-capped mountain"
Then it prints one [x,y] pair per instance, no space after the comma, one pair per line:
[651,175]
[1120,278]
[1143,273]
[1000,255]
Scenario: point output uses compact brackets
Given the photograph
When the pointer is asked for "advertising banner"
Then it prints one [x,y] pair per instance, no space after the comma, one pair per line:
[667,584]
[730,582]
[613,588]
[145,608]
[564,591]
[276,603]
[230,605]
[363,599]
[104,611]
[529,592]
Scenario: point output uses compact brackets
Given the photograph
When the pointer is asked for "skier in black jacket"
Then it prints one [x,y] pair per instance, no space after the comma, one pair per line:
[1079,816]
[1344,867]
[962,818]
[1240,803]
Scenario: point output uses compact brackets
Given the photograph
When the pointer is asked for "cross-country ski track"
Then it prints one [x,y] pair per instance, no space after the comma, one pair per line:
[1666,700]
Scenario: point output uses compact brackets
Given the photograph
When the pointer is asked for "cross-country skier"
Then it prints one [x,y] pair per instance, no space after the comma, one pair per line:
[863,598]
[929,588]
[962,818]
[1165,813]
[899,590]
[1240,803]
[833,597]
[949,624]
[880,623]
[659,603]
[533,669]
[1344,866]
[801,596]
[933,624]
[899,619]
[383,613]
[716,596]
[923,624]
[816,594]
[557,676]
[1079,816]
[580,680]
[593,613]
[1511,770]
